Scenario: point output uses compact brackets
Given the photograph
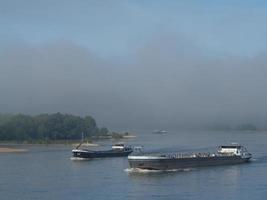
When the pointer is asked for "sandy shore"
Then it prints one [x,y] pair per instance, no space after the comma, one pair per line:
[11,150]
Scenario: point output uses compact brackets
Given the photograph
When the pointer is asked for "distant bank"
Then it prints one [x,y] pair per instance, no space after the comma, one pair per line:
[51,128]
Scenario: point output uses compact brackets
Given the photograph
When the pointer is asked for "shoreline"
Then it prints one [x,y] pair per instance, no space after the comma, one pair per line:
[89,140]
[92,142]
[12,150]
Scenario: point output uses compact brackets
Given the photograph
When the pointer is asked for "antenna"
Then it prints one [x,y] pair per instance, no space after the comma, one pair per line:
[82,136]
[81,141]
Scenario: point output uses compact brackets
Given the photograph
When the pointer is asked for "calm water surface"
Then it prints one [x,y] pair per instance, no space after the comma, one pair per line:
[48,173]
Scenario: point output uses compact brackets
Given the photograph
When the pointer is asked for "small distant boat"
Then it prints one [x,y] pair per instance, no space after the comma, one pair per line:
[118,150]
[225,155]
[159,132]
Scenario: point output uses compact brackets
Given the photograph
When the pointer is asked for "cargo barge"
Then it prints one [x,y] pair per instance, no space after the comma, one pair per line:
[225,155]
[118,150]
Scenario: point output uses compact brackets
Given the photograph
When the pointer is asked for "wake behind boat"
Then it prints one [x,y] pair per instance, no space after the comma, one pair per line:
[225,155]
[118,150]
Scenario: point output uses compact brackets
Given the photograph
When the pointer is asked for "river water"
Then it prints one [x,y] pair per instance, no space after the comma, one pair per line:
[46,172]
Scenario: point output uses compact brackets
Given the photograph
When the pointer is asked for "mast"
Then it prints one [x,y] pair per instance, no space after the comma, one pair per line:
[81,141]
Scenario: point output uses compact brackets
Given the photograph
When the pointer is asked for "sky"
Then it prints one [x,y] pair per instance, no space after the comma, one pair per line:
[136,64]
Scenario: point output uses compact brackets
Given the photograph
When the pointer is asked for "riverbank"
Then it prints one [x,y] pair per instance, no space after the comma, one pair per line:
[89,142]
[11,150]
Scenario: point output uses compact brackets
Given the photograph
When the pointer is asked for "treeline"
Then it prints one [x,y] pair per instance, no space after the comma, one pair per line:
[226,127]
[45,127]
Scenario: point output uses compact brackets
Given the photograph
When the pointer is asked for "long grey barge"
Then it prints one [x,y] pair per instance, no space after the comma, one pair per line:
[225,155]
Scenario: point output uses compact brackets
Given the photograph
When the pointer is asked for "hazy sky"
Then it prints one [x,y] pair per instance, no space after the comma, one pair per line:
[136,64]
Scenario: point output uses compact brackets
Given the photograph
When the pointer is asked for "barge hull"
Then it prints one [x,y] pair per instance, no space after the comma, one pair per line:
[181,163]
[103,154]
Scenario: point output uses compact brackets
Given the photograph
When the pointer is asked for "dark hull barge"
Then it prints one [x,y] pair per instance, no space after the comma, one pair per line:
[118,150]
[226,155]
